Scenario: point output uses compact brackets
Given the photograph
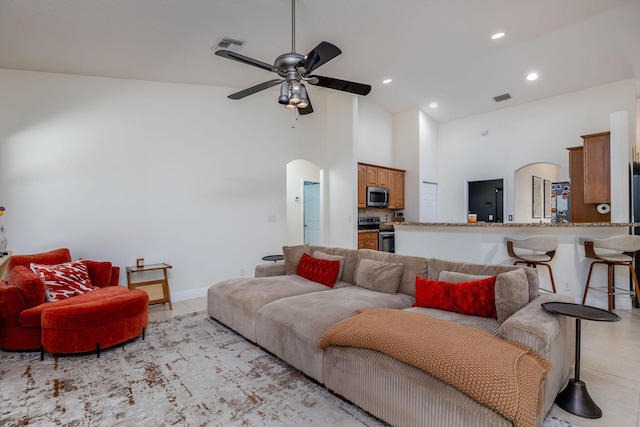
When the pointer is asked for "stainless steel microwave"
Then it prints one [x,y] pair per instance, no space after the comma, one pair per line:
[377,197]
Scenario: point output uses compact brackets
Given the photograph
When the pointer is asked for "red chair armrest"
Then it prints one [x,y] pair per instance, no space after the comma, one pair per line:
[11,305]
[115,275]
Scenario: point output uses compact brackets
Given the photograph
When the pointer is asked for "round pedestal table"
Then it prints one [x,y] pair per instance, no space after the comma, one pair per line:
[575,397]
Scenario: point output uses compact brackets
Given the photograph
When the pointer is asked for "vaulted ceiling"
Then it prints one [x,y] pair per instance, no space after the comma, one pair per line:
[434,50]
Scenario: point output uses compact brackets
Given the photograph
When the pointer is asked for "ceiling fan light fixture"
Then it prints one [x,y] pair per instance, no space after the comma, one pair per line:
[293,69]
[304,100]
[284,94]
[296,92]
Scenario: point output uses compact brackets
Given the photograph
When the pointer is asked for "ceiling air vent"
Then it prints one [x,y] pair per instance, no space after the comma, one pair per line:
[503,97]
[228,44]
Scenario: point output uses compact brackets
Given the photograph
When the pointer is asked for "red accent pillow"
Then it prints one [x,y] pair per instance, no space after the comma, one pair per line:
[475,298]
[64,280]
[323,271]
[31,286]
[99,272]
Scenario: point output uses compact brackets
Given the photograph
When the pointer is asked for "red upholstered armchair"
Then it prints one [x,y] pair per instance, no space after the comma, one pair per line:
[22,296]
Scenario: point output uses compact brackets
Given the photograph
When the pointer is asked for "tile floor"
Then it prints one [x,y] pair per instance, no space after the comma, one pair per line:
[610,364]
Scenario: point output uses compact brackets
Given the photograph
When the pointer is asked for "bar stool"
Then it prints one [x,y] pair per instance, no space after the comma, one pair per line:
[538,250]
[618,250]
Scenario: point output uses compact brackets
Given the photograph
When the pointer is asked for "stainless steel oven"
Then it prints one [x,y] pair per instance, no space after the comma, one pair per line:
[387,241]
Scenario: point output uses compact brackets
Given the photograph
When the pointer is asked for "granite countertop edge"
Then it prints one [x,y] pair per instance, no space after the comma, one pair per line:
[517,224]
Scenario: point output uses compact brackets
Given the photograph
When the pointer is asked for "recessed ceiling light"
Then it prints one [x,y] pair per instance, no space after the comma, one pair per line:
[497,36]
[387,81]
[532,76]
[433,105]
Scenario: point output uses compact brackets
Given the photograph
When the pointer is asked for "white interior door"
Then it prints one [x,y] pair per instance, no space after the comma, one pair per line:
[311,201]
[428,202]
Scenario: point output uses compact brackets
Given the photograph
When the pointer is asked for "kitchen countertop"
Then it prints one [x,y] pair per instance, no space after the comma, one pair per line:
[516,224]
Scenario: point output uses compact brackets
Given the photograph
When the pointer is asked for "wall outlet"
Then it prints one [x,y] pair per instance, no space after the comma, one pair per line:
[567,286]
[510,217]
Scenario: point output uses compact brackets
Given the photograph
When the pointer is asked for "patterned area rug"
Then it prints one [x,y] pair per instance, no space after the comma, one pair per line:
[190,371]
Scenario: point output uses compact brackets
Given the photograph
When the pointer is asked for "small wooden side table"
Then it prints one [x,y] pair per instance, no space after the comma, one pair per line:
[157,289]
[575,398]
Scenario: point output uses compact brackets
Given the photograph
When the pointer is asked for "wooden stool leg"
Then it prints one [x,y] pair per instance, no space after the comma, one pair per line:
[586,287]
[635,280]
[610,285]
[553,283]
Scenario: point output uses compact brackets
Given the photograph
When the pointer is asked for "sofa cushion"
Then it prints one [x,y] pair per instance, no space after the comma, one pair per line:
[291,327]
[234,302]
[322,271]
[438,265]
[475,298]
[412,266]
[292,255]
[64,280]
[99,272]
[31,287]
[511,290]
[32,317]
[512,293]
[350,260]
[379,276]
[56,256]
[322,255]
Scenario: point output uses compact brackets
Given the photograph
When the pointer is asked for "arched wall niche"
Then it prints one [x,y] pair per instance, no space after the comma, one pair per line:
[523,188]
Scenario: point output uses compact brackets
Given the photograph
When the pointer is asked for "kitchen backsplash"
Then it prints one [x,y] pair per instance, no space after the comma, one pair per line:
[384,214]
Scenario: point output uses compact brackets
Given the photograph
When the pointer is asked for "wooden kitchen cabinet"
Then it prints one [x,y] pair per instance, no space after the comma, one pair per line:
[396,189]
[368,240]
[379,176]
[597,168]
[362,186]
[580,210]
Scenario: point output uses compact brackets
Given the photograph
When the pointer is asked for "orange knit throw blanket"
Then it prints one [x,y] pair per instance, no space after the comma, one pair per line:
[506,376]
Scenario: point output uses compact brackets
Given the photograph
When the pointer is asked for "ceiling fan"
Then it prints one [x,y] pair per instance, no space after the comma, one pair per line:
[294,69]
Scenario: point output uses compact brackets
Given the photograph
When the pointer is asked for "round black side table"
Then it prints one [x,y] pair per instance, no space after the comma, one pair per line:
[274,258]
[575,397]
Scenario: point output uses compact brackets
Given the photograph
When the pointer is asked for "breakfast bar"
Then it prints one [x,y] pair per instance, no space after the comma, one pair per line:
[483,242]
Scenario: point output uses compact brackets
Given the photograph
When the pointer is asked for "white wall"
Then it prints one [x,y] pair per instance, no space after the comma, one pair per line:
[406,135]
[120,169]
[535,132]
[341,184]
[374,134]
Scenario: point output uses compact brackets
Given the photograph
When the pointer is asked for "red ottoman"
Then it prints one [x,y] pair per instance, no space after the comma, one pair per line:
[94,324]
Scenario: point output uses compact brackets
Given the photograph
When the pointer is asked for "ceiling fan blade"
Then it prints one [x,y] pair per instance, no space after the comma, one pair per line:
[343,85]
[306,110]
[255,89]
[245,59]
[320,55]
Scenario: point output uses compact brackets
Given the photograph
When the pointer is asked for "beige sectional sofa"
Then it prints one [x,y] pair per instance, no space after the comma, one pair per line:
[287,315]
